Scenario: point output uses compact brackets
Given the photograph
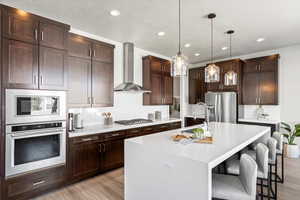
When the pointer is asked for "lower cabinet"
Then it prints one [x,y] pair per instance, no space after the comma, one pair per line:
[91,155]
[190,121]
[32,184]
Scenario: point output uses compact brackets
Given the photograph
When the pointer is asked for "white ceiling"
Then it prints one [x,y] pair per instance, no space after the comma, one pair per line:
[278,21]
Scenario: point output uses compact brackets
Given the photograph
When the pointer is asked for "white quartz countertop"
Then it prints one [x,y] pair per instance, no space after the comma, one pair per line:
[100,128]
[263,121]
[227,140]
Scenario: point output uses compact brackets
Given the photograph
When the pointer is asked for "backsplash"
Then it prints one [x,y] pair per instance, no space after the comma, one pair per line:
[250,111]
[126,106]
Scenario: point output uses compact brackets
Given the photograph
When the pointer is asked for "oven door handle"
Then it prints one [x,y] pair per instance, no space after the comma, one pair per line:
[27,135]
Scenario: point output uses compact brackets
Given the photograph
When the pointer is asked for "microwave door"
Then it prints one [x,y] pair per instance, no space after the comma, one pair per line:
[23,106]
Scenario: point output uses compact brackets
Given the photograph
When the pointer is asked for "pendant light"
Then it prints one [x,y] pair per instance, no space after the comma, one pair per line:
[230,77]
[212,71]
[179,62]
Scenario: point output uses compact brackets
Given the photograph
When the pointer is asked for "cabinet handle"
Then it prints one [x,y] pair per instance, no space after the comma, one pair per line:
[36,34]
[104,148]
[41,78]
[34,79]
[115,134]
[42,35]
[94,53]
[86,139]
[259,67]
[38,183]
[100,148]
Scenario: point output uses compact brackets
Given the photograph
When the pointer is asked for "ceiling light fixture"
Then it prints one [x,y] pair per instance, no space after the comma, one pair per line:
[179,62]
[115,13]
[161,33]
[197,54]
[187,45]
[224,48]
[260,39]
[230,77]
[212,71]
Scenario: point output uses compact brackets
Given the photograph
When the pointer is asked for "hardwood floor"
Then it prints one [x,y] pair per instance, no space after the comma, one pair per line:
[110,186]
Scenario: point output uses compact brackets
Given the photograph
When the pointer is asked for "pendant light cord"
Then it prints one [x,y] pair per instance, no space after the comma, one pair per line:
[230,38]
[212,41]
[179,25]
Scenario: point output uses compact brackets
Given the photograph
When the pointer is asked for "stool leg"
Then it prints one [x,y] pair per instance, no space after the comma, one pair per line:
[282,167]
[261,189]
[269,183]
[276,172]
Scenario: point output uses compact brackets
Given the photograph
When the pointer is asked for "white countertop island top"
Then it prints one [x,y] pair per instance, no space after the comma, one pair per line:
[100,128]
[158,168]
[261,121]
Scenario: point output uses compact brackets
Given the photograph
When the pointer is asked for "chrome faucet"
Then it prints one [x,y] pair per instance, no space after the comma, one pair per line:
[207,111]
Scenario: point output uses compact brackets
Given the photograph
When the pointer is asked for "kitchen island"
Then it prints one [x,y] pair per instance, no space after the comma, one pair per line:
[158,168]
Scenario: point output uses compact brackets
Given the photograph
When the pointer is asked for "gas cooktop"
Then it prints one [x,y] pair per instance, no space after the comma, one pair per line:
[134,121]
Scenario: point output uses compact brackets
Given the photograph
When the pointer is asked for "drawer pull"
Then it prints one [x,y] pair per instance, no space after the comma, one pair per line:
[38,183]
[115,134]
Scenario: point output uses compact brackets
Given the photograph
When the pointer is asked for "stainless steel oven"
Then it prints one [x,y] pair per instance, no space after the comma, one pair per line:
[34,146]
[28,106]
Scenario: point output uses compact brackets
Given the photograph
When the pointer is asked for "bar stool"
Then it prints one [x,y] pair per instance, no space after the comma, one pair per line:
[272,145]
[279,151]
[240,187]
[261,157]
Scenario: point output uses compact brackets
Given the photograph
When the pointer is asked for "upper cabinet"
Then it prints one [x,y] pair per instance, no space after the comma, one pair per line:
[91,72]
[197,85]
[260,81]
[157,79]
[34,51]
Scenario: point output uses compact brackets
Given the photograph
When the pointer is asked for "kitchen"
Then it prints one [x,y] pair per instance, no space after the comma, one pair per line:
[74,77]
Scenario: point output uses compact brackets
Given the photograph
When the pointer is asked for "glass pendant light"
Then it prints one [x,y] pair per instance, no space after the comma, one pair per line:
[230,77]
[179,62]
[212,71]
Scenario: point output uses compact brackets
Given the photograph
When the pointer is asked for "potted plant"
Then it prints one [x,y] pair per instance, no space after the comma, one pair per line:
[290,135]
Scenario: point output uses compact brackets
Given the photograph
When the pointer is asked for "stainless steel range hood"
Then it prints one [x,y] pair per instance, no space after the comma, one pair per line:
[128,75]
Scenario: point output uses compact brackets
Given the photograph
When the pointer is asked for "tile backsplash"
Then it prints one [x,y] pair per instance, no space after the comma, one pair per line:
[126,106]
[250,111]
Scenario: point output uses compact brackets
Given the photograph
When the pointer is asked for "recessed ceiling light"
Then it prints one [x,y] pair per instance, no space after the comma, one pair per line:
[224,48]
[197,54]
[187,45]
[260,39]
[161,33]
[115,13]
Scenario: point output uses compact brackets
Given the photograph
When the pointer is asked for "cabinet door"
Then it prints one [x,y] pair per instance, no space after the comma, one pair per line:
[268,88]
[79,82]
[22,27]
[167,90]
[251,65]
[85,159]
[113,155]
[268,63]
[79,46]
[53,69]
[103,53]
[196,85]
[52,35]
[20,62]
[250,88]
[102,84]
[156,89]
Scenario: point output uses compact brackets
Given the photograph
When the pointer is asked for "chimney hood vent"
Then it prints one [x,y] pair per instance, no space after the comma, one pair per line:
[128,84]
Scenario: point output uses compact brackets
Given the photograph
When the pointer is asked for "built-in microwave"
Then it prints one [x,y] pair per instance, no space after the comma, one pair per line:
[28,106]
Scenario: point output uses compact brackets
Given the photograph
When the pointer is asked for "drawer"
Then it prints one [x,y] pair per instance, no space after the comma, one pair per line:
[79,140]
[148,130]
[114,135]
[26,185]
[175,125]
[162,127]
[134,132]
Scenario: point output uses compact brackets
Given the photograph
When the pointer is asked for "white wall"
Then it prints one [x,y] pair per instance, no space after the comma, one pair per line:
[126,105]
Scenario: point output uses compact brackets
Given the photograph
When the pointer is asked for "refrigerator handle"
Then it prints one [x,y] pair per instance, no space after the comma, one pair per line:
[216,108]
[219,108]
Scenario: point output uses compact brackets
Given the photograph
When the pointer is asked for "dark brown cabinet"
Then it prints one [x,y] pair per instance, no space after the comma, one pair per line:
[52,35]
[91,155]
[260,81]
[19,25]
[197,86]
[91,72]
[53,69]
[157,79]
[20,61]
[33,51]
[79,86]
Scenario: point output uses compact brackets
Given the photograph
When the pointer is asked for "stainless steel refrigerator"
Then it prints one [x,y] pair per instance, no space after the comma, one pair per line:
[224,106]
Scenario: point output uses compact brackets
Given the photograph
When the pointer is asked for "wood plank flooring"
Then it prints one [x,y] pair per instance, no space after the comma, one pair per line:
[110,186]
